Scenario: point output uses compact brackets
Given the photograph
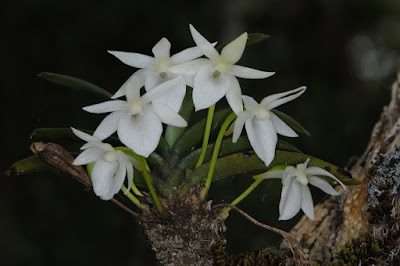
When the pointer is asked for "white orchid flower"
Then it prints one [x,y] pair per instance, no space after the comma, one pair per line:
[217,77]
[155,71]
[262,125]
[138,120]
[110,165]
[295,193]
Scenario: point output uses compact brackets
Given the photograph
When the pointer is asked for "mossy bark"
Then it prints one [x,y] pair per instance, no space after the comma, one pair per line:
[339,220]
[187,231]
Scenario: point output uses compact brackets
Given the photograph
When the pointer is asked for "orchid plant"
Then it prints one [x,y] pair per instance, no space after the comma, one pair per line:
[160,97]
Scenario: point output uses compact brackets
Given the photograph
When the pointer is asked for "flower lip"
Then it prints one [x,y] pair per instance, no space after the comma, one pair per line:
[261,113]
[222,65]
[301,177]
[134,107]
[110,157]
[161,66]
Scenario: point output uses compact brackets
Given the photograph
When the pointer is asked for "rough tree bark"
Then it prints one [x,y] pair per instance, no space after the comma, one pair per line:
[338,220]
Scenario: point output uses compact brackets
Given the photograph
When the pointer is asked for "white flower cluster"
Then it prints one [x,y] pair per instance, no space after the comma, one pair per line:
[138,119]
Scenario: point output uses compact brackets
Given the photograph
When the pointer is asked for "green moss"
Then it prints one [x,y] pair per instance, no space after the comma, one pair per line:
[361,251]
[268,256]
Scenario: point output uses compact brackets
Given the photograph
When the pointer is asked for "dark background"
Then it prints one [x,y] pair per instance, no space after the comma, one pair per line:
[345,52]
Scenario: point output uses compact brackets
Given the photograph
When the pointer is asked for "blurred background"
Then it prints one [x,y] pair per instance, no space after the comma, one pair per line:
[345,52]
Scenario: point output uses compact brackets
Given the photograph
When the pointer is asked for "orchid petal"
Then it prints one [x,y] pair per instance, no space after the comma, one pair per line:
[168,116]
[186,55]
[134,59]
[108,126]
[239,123]
[290,202]
[234,96]
[319,171]
[102,178]
[105,107]
[307,204]
[249,103]
[160,90]
[190,68]
[233,51]
[88,156]
[323,185]
[162,49]
[174,98]
[263,138]
[249,73]
[281,127]
[141,132]
[303,166]
[83,136]
[208,90]
[134,83]
[205,46]
[125,161]
[276,100]
[98,144]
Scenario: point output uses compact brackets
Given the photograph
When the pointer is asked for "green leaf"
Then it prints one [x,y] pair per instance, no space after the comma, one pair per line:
[28,165]
[249,163]
[189,161]
[254,38]
[72,82]
[286,146]
[62,133]
[172,133]
[291,122]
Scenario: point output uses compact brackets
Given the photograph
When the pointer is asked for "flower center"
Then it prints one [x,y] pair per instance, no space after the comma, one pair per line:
[161,66]
[134,107]
[110,157]
[261,113]
[302,178]
[222,66]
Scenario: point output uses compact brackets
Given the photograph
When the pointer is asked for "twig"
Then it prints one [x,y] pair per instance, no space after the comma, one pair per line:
[297,250]
[122,206]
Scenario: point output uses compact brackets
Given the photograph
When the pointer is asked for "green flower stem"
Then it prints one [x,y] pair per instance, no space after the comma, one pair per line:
[132,198]
[224,127]
[153,193]
[225,212]
[206,135]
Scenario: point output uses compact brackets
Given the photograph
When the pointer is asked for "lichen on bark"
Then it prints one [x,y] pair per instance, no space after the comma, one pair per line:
[187,232]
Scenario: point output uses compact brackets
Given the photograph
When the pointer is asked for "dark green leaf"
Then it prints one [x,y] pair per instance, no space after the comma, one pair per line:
[248,162]
[72,82]
[291,122]
[28,165]
[189,162]
[254,38]
[62,133]
[172,133]
[53,133]
[286,146]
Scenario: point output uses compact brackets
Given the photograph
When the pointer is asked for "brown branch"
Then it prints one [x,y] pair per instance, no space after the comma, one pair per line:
[58,157]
